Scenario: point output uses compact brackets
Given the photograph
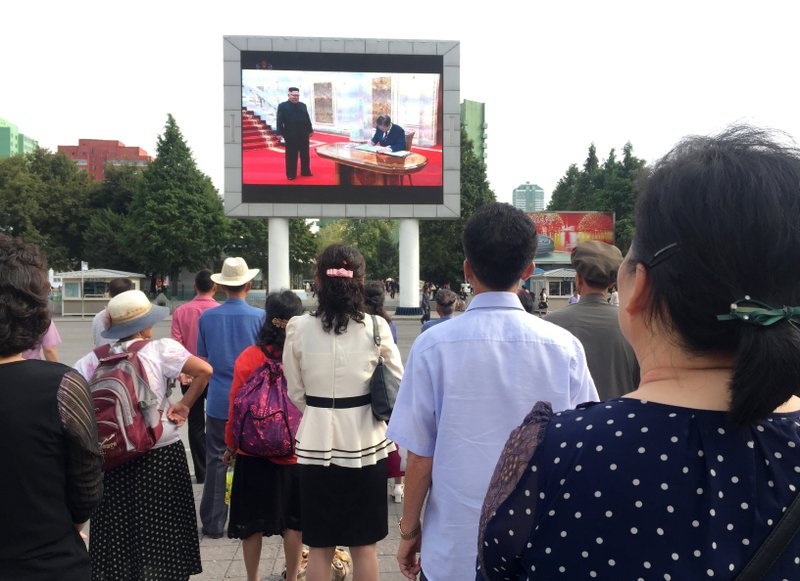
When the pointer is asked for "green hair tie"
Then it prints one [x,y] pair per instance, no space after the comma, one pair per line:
[755,312]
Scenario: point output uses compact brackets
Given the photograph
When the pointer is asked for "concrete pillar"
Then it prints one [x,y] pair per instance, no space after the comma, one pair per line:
[409,268]
[278,254]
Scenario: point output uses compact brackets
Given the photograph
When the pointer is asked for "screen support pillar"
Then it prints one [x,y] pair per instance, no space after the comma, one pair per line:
[278,254]
[409,268]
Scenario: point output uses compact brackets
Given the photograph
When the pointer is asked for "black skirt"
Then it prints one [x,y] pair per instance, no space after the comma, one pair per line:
[145,527]
[265,498]
[343,506]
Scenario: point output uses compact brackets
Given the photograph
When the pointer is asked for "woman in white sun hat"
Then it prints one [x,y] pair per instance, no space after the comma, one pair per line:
[145,527]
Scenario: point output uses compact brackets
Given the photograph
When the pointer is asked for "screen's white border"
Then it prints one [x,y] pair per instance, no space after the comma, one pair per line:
[451,154]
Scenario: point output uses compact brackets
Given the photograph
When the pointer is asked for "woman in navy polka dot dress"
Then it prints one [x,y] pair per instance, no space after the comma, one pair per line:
[684,478]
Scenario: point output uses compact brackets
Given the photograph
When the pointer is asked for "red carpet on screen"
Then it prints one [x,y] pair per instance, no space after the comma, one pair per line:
[266,165]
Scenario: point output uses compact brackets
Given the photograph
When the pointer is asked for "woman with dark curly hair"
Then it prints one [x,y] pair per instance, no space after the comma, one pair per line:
[48,438]
[265,493]
[328,359]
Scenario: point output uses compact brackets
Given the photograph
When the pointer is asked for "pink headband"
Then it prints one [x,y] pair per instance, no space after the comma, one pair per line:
[339,273]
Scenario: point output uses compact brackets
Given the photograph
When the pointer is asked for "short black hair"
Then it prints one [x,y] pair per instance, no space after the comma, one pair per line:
[203,282]
[117,286]
[383,120]
[374,298]
[281,305]
[526,299]
[24,288]
[294,89]
[723,213]
[499,242]
[234,289]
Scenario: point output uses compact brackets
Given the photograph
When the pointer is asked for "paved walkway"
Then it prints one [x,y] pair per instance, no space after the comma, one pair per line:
[222,558]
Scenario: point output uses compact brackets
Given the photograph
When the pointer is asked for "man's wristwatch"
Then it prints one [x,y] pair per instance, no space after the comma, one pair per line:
[408,536]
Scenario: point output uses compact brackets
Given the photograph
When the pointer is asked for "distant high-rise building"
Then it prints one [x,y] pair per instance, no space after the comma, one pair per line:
[12,142]
[529,197]
[95,155]
[473,119]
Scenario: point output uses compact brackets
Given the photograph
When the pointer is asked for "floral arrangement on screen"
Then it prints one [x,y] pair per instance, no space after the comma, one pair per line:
[596,226]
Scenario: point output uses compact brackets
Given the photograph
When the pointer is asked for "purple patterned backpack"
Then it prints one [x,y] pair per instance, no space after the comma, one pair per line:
[264,420]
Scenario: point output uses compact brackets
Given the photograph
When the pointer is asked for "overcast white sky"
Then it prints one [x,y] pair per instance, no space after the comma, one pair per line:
[554,77]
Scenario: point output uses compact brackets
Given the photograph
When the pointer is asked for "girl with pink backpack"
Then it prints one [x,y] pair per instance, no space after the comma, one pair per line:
[262,423]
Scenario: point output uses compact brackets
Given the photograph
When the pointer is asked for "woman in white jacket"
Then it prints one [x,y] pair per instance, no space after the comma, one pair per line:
[328,359]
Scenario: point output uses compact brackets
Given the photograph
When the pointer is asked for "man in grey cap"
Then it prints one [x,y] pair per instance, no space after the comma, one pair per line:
[594,322]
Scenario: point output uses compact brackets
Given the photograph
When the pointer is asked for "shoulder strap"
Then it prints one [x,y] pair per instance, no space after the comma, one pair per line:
[375,335]
[774,545]
[102,352]
[134,348]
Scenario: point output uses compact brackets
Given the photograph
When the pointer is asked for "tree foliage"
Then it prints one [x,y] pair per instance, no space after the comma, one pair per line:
[176,218]
[302,248]
[376,239]
[606,187]
[105,243]
[43,199]
[441,254]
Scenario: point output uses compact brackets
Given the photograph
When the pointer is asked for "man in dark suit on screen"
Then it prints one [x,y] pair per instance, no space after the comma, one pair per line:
[294,124]
[389,136]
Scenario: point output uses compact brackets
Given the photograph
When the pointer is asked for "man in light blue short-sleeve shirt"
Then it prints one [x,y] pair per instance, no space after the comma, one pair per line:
[467,384]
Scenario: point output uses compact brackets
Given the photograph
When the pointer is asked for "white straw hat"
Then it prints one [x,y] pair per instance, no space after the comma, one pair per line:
[234,272]
[130,313]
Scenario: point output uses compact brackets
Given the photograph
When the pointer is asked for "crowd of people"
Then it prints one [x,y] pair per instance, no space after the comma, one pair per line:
[652,436]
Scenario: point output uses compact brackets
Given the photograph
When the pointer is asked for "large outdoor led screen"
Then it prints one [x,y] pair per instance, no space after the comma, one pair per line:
[344,96]
[559,232]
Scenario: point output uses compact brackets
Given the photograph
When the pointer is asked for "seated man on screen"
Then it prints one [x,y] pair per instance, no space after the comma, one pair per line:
[388,136]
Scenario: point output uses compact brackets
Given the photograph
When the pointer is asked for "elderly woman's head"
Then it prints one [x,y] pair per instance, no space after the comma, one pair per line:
[24,314]
[340,278]
[717,225]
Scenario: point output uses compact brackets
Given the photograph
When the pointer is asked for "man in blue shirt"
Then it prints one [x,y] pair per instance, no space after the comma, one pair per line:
[224,332]
[466,386]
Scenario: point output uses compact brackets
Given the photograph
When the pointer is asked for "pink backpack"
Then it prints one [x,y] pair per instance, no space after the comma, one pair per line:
[264,421]
[127,410]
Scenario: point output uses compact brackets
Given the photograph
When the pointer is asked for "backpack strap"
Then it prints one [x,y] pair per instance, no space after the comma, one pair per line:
[102,352]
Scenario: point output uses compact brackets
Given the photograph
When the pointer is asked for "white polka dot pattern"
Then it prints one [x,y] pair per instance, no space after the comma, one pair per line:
[146,528]
[661,493]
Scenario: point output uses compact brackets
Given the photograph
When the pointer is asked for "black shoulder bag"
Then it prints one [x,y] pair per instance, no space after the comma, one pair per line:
[383,385]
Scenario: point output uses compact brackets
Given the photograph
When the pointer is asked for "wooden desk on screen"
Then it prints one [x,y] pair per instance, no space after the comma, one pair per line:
[365,168]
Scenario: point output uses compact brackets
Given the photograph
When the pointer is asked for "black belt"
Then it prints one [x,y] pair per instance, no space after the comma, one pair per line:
[339,402]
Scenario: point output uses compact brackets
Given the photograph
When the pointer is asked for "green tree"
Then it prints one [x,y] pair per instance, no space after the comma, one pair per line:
[565,192]
[378,242]
[105,243]
[610,187]
[21,200]
[248,238]
[176,216]
[441,254]
[587,182]
[65,216]
[43,200]
[302,250]
[376,239]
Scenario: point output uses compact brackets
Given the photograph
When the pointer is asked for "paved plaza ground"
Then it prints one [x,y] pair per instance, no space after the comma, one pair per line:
[222,558]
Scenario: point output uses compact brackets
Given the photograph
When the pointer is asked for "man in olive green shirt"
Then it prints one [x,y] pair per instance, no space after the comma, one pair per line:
[594,322]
